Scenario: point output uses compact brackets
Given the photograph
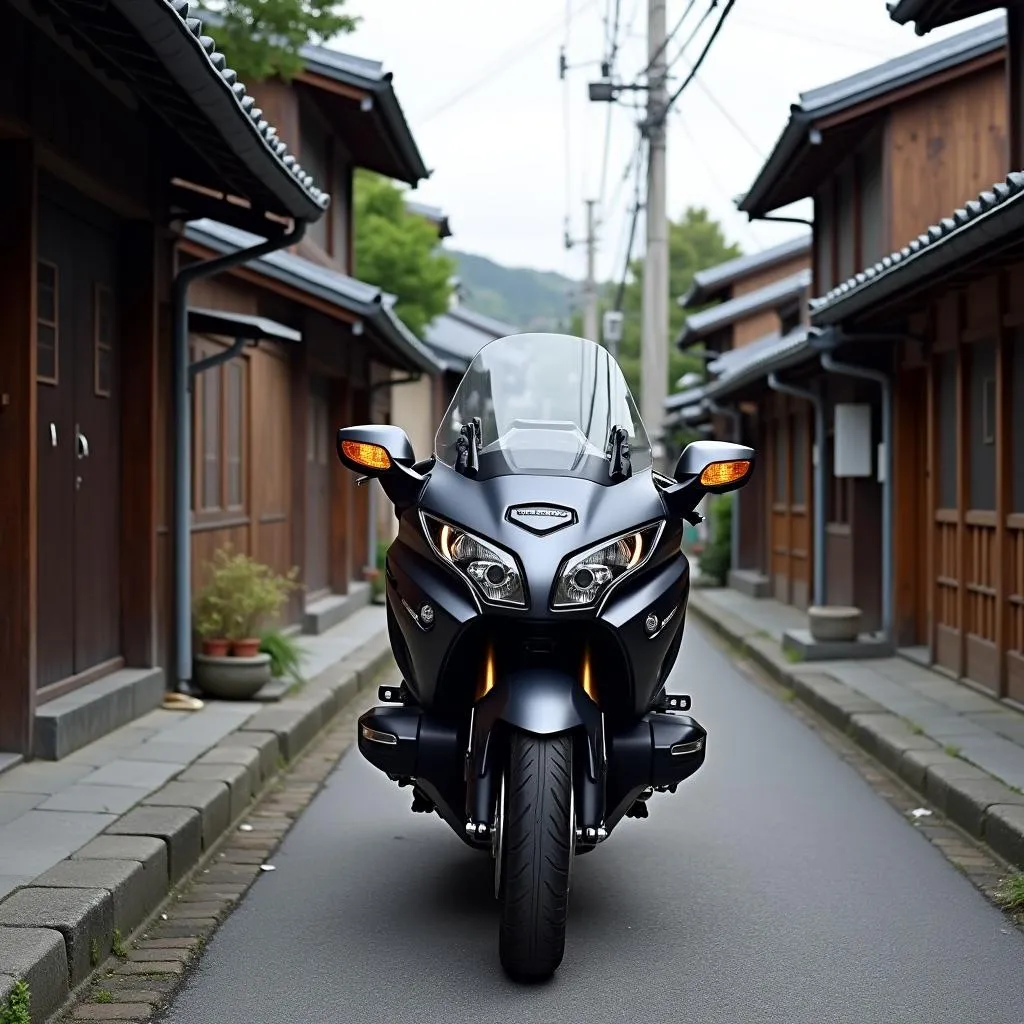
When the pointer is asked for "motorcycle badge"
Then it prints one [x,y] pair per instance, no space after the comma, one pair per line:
[541,519]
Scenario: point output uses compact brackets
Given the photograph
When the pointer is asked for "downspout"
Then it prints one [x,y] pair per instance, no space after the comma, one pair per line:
[737,435]
[820,511]
[182,381]
[882,378]
[371,526]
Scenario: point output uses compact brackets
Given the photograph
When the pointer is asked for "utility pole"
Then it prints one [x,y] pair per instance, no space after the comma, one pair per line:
[590,330]
[654,327]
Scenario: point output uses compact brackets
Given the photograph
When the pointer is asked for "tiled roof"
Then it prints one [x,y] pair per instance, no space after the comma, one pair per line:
[197,70]
[973,224]
[929,14]
[770,190]
[364,300]
[708,283]
[700,325]
[460,333]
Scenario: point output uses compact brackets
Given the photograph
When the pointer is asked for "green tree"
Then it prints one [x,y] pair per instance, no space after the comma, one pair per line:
[263,39]
[399,251]
[696,242]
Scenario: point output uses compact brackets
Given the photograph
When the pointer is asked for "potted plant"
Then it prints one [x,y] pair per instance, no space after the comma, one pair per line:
[240,595]
[208,618]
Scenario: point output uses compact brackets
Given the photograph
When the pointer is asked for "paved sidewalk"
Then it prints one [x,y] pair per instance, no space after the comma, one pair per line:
[963,751]
[94,842]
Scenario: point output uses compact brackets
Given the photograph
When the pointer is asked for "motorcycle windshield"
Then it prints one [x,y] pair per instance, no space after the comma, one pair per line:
[546,404]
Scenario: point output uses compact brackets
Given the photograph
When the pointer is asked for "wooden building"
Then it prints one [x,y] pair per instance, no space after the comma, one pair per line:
[117,124]
[950,304]
[884,155]
[279,406]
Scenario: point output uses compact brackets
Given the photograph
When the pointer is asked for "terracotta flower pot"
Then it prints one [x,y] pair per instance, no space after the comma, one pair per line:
[246,648]
[216,648]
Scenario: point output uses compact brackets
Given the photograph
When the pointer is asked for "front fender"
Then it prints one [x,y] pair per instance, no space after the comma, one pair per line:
[544,702]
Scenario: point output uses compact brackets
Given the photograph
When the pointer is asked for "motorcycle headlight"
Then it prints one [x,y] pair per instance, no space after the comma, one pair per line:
[494,573]
[584,578]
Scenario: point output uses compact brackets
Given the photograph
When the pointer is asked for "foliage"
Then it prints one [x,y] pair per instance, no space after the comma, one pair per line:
[696,242]
[286,654]
[530,300]
[398,250]
[15,1008]
[263,39]
[1010,893]
[716,558]
[240,595]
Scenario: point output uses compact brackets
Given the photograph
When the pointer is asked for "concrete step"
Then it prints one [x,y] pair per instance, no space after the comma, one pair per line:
[83,716]
[326,612]
[750,582]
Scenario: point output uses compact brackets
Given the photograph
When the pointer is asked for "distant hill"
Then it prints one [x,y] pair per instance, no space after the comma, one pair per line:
[527,299]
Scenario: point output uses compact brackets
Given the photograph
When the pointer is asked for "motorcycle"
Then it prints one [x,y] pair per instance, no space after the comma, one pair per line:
[536,596]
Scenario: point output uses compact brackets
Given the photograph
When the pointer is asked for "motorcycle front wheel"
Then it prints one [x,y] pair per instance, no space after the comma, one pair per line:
[535,854]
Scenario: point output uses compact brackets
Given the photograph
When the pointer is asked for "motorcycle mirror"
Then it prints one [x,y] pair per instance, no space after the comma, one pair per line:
[374,449]
[382,451]
[718,466]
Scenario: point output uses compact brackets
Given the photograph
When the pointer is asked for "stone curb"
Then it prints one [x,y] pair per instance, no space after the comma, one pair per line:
[55,931]
[979,803]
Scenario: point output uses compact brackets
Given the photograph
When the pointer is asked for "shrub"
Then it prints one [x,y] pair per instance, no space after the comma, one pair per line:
[716,558]
[285,654]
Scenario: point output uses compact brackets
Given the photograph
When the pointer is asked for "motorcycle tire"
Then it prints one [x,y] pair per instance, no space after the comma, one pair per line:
[537,851]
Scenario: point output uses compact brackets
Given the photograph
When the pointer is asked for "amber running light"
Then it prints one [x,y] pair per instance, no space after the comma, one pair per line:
[372,456]
[718,474]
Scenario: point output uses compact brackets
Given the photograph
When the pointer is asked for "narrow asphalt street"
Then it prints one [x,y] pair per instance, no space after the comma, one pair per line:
[775,886]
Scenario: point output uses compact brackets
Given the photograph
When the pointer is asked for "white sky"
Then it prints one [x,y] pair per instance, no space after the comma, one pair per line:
[513,148]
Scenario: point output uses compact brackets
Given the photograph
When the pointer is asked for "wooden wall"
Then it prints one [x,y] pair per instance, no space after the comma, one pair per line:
[766,277]
[944,147]
[754,327]
[972,603]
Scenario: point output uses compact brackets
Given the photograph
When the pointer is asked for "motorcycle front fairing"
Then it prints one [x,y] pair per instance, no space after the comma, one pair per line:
[541,491]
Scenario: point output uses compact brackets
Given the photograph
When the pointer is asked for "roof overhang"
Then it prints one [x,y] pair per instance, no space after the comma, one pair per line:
[929,14]
[158,49]
[360,100]
[960,248]
[435,215]
[710,284]
[239,325]
[778,294]
[792,350]
[830,122]
[358,303]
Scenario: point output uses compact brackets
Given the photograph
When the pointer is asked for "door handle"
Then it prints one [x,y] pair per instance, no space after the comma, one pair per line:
[53,435]
[83,443]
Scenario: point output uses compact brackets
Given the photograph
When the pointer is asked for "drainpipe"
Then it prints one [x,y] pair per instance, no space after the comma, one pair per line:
[882,378]
[183,377]
[820,511]
[737,435]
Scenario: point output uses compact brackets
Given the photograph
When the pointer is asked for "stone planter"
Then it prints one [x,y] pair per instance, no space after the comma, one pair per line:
[232,678]
[831,624]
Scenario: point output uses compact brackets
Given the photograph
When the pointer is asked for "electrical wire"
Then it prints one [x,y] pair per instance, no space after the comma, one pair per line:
[668,39]
[637,206]
[514,54]
[700,60]
[698,81]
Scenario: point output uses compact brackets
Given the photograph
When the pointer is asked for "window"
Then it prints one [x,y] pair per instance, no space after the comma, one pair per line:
[982,416]
[47,323]
[945,428]
[219,473]
[103,341]
[781,463]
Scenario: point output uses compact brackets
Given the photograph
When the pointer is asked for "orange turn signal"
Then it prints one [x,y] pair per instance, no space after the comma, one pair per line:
[372,456]
[721,474]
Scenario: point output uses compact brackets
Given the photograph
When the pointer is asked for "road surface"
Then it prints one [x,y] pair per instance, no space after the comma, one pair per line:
[774,886]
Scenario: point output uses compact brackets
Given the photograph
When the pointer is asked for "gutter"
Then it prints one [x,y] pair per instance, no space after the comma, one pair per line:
[820,511]
[182,383]
[832,365]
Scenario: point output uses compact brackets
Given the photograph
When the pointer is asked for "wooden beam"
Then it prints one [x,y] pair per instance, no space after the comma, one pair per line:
[348,92]
[139,336]
[342,485]
[1015,85]
[299,385]
[962,438]
[932,490]
[1004,486]
[17,445]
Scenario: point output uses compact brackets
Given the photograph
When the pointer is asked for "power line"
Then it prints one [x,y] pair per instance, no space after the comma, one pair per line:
[620,293]
[728,117]
[514,54]
[700,60]
[668,39]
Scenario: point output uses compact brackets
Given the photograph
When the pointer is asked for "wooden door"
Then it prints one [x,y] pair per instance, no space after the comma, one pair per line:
[79,446]
[318,490]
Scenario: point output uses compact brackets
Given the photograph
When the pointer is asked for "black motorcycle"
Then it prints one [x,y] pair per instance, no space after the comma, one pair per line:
[536,594]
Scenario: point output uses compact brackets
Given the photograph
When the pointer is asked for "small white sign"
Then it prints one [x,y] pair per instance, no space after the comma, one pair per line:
[852,444]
